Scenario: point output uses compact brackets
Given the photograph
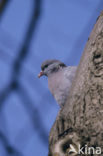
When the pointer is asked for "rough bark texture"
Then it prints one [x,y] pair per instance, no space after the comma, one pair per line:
[81,119]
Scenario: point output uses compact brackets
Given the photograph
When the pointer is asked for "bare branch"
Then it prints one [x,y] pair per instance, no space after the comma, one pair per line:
[14,85]
[33,114]
[3,5]
[23,53]
[9,148]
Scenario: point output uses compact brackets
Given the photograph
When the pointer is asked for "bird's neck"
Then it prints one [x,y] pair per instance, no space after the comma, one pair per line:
[53,73]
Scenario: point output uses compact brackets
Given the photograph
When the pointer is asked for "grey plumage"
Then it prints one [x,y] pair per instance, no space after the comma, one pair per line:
[60,78]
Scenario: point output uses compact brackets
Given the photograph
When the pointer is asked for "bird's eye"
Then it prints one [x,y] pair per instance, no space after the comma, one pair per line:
[46,66]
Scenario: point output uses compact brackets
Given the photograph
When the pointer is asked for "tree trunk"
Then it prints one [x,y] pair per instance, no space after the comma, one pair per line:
[78,129]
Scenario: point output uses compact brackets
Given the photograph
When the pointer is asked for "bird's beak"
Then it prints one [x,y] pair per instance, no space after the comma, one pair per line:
[40,74]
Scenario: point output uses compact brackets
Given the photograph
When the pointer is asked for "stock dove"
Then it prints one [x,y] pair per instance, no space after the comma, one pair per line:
[60,78]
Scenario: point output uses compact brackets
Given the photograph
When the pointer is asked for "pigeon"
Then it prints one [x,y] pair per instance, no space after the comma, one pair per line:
[60,78]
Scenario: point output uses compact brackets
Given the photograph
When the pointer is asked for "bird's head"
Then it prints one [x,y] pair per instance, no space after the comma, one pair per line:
[50,66]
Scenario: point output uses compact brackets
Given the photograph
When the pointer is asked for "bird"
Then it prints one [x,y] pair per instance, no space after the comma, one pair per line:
[60,77]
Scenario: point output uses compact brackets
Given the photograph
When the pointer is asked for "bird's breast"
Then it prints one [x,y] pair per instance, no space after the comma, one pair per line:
[54,82]
[60,83]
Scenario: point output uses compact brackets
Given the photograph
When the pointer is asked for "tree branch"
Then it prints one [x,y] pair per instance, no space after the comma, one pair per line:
[14,84]
[9,148]
[3,5]
[33,114]
[22,54]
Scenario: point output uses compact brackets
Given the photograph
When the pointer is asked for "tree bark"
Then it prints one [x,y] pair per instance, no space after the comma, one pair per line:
[80,122]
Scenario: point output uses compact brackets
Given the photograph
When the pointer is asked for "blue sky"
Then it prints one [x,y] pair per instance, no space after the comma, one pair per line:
[61,33]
